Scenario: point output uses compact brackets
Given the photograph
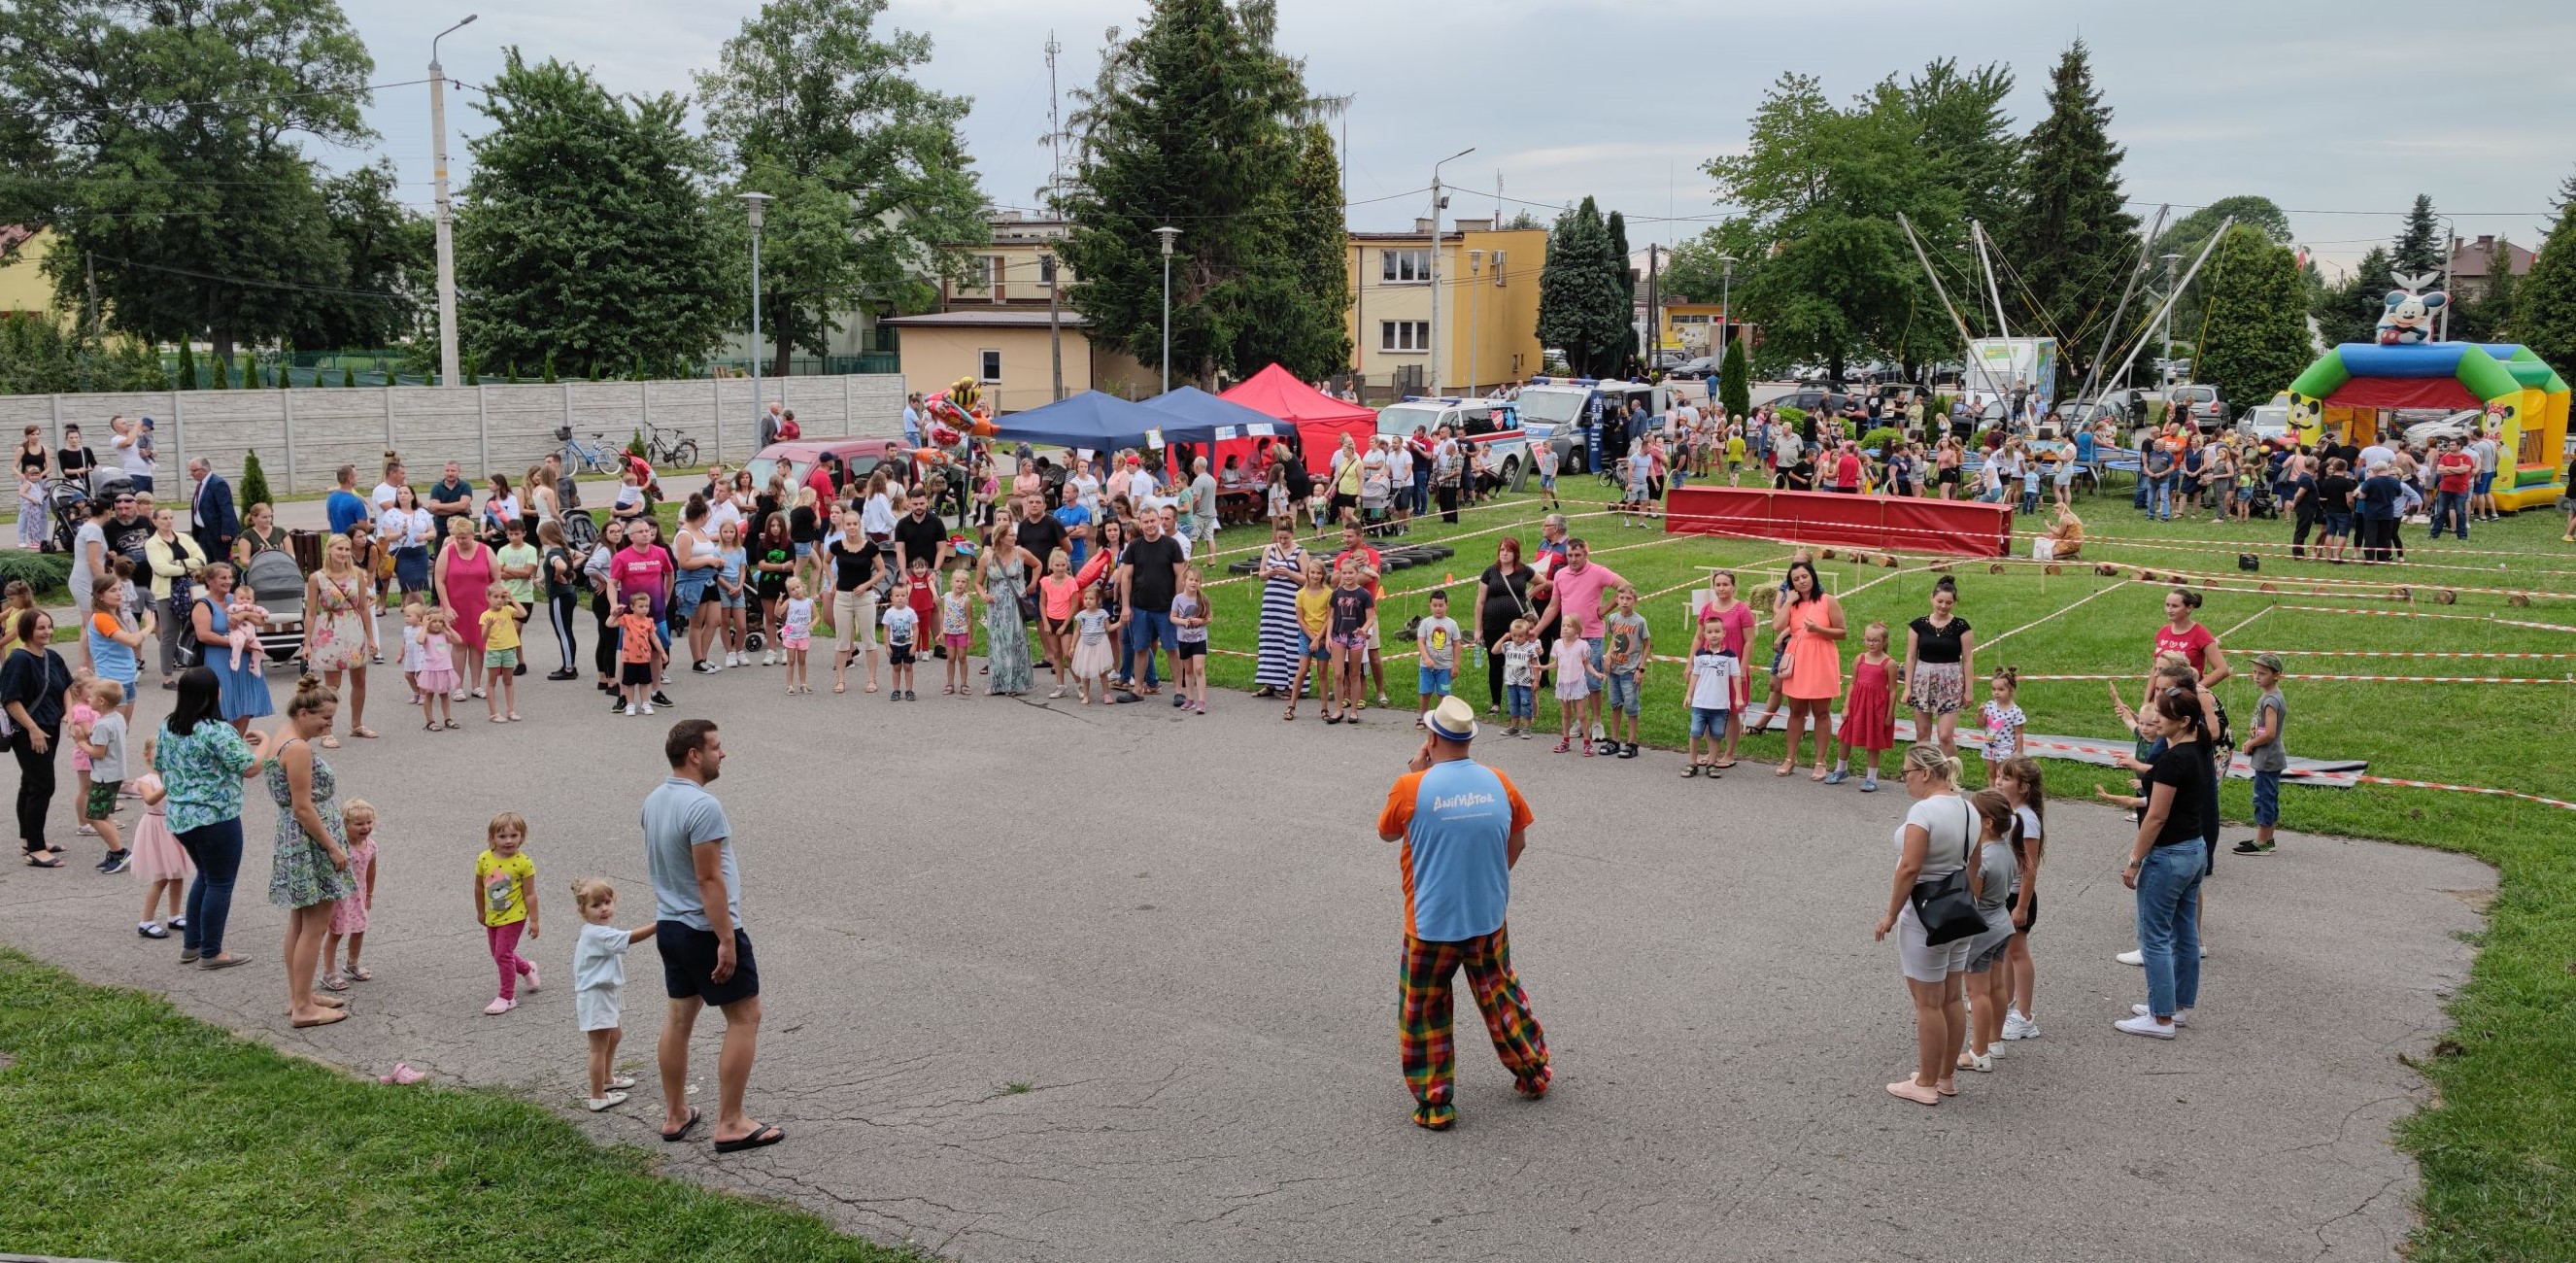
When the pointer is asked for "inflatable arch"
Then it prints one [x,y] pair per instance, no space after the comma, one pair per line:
[2345,395]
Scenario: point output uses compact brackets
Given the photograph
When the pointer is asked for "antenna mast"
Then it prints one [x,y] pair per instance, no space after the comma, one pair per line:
[1055,125]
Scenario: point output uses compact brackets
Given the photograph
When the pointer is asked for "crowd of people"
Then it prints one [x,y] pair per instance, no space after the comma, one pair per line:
[1095,576]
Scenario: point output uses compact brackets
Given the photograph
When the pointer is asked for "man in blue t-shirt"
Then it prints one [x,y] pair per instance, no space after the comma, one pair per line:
[1463,826]
[706,955]
[345,507]
[1076,521]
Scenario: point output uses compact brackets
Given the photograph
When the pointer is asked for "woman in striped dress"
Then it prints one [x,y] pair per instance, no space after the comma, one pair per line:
[1282,564]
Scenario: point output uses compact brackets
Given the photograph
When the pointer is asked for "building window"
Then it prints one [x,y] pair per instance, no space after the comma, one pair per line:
[1405,265]
[1404,335]
[992,364]
[983,276]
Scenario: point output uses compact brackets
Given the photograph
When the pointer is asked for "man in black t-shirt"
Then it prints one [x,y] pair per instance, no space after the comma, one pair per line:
[1038,532]
[1149,574]
[450,496]
[918,534]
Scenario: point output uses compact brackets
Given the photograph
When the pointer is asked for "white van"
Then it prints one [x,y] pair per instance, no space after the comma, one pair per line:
[1492,424]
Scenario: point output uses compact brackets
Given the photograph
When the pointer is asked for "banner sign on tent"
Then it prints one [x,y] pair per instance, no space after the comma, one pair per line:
[1154,437]
[1260,430]
[1224,433]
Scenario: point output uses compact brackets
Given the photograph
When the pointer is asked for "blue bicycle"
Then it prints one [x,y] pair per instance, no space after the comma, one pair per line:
[593,457]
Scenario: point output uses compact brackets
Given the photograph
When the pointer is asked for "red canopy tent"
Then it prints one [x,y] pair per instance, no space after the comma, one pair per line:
[1321,420]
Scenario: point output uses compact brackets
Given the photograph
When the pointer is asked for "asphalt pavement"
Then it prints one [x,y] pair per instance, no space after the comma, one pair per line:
[1118,983]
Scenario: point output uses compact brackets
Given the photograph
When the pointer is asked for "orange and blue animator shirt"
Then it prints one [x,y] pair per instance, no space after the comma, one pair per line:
[1457,818]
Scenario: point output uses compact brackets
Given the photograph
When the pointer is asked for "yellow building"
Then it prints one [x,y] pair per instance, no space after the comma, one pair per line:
[1011,271]
[1488,308]
[1693,327]
[24,287]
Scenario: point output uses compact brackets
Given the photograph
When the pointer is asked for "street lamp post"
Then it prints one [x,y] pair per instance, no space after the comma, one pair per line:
[757,205]
[1437,204]
[1725,315]
[448,374]
[1167,234]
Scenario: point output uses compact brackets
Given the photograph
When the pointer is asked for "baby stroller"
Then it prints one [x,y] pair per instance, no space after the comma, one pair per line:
[277,584]
[72,498]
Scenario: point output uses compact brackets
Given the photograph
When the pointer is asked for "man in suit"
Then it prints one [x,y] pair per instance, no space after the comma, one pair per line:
[212,520]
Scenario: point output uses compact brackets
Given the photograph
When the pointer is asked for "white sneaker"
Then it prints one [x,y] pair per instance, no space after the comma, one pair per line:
[610,1101]
[648,708]
[769,659]
[2146,1026]
[715,666]
[2018,1027]
[2181,1017]
[630,708]
[2132,957]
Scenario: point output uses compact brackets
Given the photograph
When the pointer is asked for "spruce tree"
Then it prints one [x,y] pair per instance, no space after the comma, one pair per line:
[2544,304]
[1735,380]
[1187,127]
[2419,247]
[2256,337]
[348,376]
[187,366]
[2490,318]
[254,488]
[1625,277]
[221,378]
[2073,240]
[1581,309]
[549,378]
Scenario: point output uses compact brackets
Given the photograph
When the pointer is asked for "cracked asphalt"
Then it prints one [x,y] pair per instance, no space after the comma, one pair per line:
[1053,984]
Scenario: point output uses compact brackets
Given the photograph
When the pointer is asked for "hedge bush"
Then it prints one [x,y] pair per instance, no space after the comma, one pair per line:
[45,572]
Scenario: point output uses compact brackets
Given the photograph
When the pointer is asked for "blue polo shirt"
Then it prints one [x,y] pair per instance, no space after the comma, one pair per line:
[1069,517]
[1457,819]
[346,509]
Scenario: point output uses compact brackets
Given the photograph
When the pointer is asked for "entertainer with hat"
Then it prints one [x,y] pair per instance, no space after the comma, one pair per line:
[1463,826]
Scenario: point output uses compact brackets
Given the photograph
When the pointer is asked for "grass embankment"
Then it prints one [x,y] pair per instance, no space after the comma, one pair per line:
[130,1132]
[2498,1152]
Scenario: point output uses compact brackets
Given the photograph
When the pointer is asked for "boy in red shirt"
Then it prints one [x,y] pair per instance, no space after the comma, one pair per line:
[2456,469]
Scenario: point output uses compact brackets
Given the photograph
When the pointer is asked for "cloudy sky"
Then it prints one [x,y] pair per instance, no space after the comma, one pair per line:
[2340,112]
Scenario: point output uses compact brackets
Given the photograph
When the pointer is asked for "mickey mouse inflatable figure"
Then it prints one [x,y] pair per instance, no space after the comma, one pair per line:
[2409,318]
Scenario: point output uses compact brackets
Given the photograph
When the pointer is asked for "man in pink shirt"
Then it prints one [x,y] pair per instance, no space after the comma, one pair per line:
[1574,590]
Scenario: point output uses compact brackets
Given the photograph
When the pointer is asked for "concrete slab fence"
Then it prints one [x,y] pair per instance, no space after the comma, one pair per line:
[303,436]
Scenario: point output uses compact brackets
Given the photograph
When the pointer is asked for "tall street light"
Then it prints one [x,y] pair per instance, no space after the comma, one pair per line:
[1437,202]
[448,374]
[756,204]
[1167,234]
[1475,273]
[1725,317]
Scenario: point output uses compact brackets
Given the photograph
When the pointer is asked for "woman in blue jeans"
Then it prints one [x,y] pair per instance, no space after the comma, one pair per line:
[202,762]
[2166,864]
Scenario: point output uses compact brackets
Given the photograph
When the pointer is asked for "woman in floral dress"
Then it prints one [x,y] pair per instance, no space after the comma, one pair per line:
[338,635]
[310,869]
[1005,568]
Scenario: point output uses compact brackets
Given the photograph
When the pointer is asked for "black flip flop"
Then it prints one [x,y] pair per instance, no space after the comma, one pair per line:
[765,1136]
[674,1137]
[40,859]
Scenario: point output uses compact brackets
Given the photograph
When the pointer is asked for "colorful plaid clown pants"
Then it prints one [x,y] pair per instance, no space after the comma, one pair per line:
[1430,1056]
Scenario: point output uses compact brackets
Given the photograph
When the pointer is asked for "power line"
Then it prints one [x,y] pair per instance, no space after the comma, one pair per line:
[378,295]
[226,103]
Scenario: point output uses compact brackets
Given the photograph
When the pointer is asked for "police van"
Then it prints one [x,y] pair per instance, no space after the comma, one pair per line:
[1564,412]
[1493,425]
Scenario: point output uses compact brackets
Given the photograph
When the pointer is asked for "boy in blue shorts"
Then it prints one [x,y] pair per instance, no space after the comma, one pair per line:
[1713,673]
[1437,633]
[2265,751]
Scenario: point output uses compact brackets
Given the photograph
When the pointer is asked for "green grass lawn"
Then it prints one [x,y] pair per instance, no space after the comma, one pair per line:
[130,1132]
[2499,1152]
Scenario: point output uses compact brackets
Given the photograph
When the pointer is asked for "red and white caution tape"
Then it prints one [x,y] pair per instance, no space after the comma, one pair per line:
[2358,679]
[2461,618]
[2467,789]
[2397,653]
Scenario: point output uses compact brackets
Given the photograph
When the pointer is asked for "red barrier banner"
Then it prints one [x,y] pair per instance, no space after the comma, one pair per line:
[1824,517]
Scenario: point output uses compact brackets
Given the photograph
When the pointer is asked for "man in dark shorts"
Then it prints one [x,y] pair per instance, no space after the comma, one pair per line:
[706,956]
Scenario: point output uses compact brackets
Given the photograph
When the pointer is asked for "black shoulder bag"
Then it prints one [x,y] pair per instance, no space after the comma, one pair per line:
[1946,909]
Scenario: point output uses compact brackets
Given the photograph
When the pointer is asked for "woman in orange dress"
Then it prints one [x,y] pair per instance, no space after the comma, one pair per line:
[1813,621]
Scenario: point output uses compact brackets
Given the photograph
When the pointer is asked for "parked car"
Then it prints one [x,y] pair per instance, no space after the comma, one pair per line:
[858,457]
[2207,410]
[1694,370]
[2268,423]
[1560,411]
[1670,357]
[2458,425]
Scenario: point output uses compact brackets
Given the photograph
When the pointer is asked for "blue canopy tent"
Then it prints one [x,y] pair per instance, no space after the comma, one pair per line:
[1201,415]
[1092,420]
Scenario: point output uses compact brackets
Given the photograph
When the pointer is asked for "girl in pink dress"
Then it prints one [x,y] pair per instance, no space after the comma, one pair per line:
[1869,716]
[349,915]
[158,859]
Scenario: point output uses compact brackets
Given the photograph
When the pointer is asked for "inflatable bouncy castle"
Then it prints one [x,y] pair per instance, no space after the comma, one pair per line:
[2351,394]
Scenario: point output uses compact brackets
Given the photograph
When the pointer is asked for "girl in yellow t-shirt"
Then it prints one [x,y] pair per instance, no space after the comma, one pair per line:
[505,901]
[501,652]
[1314,615]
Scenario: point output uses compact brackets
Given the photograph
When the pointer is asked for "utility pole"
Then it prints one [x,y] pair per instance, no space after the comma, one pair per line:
[89,277]
[448,373]
[1055,331]
[1725,304]
[1437,203]
[1055,139]
[757,205]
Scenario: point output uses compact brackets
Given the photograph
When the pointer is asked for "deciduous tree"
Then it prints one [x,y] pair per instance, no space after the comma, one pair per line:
[2544,309]
[2256,337]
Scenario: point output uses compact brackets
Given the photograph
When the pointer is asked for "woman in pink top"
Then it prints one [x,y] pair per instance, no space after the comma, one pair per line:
[464,577]
[1813,621]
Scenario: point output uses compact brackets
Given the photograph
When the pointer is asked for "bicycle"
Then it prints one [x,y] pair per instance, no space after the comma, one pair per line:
[593,457]
[669,450]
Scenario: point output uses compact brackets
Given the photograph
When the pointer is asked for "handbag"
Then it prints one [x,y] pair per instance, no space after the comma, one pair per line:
[1946,909]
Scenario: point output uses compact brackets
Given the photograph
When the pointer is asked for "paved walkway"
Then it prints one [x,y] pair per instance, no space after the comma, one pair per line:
[1048,983]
